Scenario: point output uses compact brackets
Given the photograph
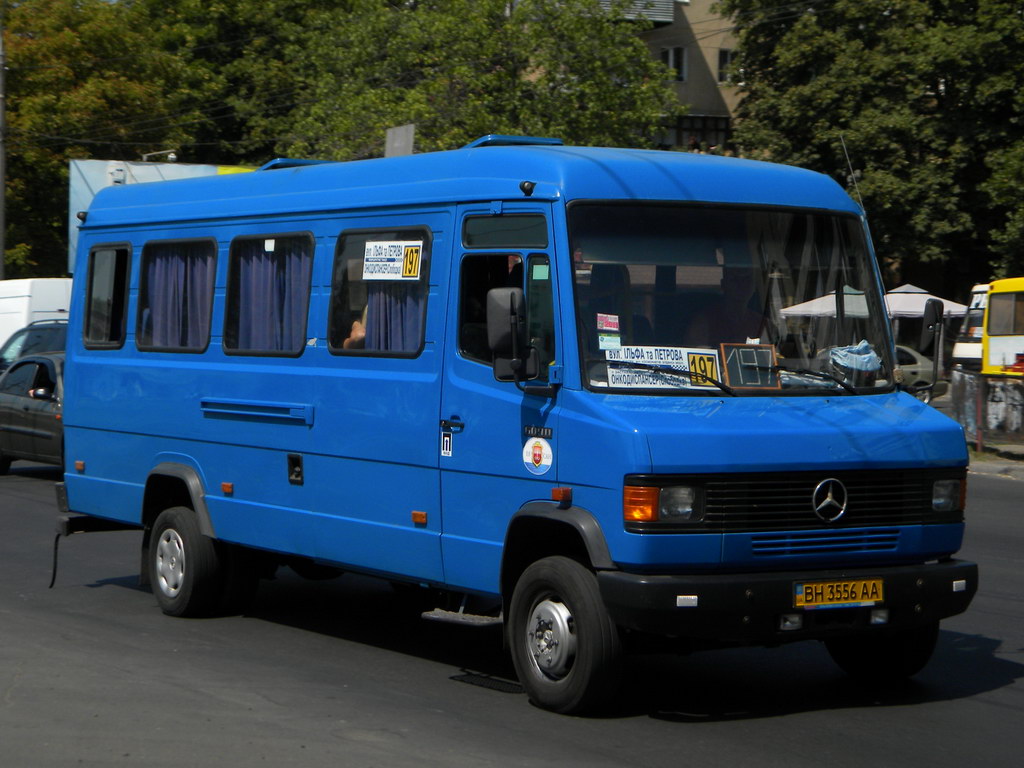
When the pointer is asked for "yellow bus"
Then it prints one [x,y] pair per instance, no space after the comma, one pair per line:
[1003,339]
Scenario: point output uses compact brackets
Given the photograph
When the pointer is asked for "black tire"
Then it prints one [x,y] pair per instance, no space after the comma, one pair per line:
[566,650]
[185,568]
[886,657]
[5,464]
[924,396]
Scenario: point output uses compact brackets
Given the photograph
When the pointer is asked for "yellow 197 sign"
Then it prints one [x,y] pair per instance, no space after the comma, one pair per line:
[411,261]
[702,368]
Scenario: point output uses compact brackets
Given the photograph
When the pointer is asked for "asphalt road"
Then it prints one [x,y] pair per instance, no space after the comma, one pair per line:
[339,673]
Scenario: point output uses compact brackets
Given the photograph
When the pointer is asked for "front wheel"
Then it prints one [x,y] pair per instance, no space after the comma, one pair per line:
[887,657]
[565,648]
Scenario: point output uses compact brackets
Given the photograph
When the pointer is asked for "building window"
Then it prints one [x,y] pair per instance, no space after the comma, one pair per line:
[176,296]
[268,295]
[725,59]
[675,60]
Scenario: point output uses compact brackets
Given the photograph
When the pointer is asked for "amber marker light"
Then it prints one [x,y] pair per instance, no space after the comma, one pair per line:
[227,488]
[640,504]
[419,517]
[563,496]
[80,466]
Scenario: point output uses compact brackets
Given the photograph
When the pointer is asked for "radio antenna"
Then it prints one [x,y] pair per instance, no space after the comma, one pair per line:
[853,174]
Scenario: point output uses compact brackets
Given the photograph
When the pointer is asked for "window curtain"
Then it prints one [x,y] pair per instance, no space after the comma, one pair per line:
[179,292]
[394,316]
[272,291]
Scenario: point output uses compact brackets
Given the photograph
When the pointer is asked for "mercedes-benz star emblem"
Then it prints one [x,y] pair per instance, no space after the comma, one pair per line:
[829,500]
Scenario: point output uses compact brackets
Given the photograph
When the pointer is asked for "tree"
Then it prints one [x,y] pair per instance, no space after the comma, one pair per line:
[926,96]
[83,80]
[460,69]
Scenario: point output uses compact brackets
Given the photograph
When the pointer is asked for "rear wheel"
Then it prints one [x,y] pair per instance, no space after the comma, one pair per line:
[186,571]
[566,649]
[886,657]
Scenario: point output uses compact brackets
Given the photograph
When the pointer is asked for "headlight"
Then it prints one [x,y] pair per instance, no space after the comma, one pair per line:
[672,504]
[680,504]
[946,495]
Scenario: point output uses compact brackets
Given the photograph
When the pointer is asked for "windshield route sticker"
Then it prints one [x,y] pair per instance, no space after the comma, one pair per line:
[750,366]
[638,367]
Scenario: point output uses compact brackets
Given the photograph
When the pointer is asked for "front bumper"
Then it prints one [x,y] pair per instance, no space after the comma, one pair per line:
[749,608]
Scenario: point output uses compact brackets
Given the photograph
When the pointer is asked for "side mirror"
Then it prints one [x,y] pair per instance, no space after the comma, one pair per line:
[931,326]
[506,312]
[514,359]
[42,393]
[931,335]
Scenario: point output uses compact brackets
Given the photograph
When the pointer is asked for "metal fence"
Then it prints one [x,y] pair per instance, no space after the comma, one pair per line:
[989,408]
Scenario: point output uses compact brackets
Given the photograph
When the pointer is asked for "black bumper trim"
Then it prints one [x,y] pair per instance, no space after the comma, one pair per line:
[746,608]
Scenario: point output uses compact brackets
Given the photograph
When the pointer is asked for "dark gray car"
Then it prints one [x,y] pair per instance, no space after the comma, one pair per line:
[31,391]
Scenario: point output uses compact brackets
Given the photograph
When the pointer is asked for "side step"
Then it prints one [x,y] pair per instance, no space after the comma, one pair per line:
[459,617]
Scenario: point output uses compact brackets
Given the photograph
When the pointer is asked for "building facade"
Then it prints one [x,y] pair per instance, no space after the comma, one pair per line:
[697,44]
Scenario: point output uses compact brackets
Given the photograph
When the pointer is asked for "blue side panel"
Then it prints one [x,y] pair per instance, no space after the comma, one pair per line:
[364,427]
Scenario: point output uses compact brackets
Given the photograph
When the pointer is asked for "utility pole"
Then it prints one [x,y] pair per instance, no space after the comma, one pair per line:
[3,144]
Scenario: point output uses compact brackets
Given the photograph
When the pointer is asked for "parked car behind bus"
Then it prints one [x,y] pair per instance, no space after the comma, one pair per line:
[35,338]
[31,427]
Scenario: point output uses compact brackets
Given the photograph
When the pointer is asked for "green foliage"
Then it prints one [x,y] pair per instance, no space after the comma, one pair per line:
[459,69]
[238,81]
[926,95]
[83,80]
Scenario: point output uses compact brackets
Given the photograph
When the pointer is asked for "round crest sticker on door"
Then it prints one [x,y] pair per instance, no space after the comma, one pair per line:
[537,455]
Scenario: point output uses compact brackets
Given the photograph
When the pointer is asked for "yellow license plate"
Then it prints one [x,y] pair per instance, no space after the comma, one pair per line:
[846,593]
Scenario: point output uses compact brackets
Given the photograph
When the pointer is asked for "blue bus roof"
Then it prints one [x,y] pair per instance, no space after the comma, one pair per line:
[478,172]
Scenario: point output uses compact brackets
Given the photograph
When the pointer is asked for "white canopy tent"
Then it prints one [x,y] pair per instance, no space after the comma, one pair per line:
[908,301]
[905,301]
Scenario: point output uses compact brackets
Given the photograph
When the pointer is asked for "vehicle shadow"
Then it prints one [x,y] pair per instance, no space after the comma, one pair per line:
[35,471]
[709,686]
[744,684]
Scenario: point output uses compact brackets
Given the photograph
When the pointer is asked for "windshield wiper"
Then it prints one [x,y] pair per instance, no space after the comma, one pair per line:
[823,375]
[691,375]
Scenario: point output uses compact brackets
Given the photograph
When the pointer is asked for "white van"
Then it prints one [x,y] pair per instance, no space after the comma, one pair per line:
[967,349]
[27,300]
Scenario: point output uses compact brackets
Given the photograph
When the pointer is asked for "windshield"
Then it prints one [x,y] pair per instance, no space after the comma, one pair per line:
[679,299]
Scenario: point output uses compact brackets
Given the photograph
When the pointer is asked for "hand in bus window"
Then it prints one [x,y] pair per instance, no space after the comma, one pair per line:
[357,333]
[356,337]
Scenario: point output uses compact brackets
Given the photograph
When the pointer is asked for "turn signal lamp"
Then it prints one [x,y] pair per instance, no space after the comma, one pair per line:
[671,504]
[640,503]
[563,496]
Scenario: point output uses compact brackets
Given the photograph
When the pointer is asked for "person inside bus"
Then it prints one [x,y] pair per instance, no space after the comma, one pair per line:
[733,316]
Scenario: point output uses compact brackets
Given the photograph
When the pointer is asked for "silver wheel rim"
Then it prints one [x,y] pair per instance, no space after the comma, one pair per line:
[551,639]
[170,562]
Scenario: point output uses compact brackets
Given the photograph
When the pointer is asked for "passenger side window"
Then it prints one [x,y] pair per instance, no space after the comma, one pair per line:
[268,295]
[176,296]
[106,298]
[20,380]
[540,311]
[481,273]
[379,292]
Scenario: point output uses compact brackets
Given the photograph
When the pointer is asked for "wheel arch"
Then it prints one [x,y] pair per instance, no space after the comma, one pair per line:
[541,529]
[172,484]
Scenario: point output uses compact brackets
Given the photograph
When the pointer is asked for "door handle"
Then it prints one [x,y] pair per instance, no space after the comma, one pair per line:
[454,424]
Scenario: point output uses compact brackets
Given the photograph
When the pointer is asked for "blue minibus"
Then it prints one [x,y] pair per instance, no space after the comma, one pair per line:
[603,396]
